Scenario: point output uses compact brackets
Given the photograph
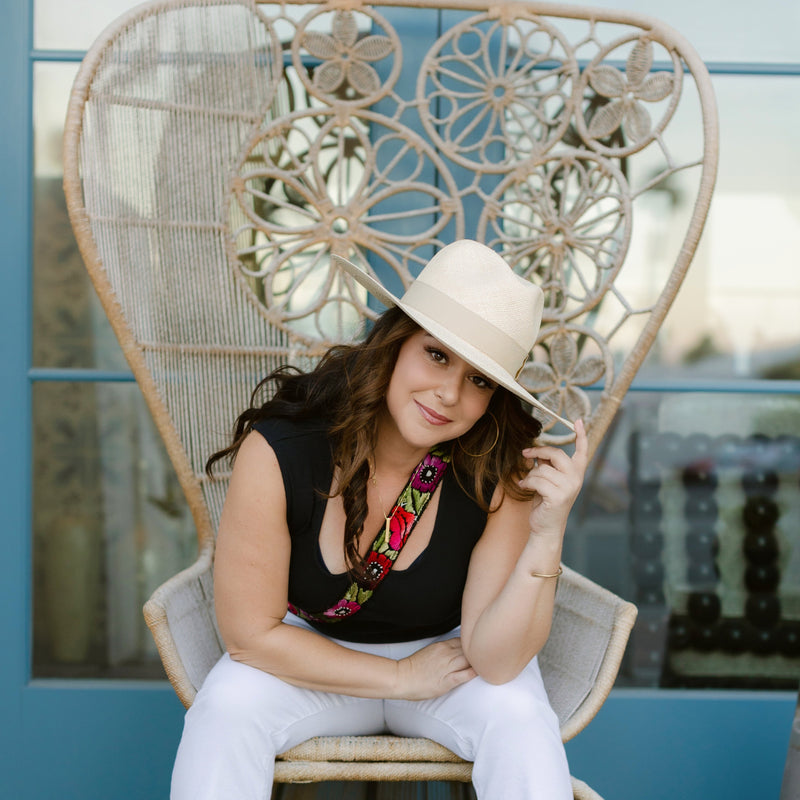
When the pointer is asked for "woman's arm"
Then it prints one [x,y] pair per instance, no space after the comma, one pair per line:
[506,610]
[251,576]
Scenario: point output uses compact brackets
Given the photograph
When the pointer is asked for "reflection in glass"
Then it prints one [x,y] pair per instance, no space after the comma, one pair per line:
[109,525]
[691,511]
[73,24]
[737,35]
[736,314]
[69,326]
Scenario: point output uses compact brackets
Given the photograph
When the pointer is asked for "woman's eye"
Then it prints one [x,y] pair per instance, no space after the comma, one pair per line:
[436,355]
[481,382]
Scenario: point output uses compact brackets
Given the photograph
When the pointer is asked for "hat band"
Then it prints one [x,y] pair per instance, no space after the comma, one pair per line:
[465,324]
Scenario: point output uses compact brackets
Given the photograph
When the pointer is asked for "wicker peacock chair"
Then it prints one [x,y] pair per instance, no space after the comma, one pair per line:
[219,151]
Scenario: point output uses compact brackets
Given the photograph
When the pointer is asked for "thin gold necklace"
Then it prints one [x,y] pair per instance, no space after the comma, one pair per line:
[388,519]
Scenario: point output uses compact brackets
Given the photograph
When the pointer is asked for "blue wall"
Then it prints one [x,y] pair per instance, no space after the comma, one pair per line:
[643,743]
[692,745]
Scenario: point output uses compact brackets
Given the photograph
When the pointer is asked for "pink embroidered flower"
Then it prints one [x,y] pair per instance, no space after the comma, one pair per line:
[376,567]
[344,608]
[425,477]
[399,526]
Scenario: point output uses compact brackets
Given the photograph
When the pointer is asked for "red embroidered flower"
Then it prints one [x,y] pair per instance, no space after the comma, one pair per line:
[376,567]
[401,521]
[344,608]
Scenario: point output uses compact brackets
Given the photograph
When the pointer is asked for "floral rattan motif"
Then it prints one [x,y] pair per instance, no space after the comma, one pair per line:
[508,128]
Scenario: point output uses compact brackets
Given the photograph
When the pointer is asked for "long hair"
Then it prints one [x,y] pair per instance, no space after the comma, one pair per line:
[348,389]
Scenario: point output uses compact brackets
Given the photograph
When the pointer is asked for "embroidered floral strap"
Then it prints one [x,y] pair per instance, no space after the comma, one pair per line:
[389,542]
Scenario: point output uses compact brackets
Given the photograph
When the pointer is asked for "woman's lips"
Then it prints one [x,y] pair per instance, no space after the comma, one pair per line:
[431,416]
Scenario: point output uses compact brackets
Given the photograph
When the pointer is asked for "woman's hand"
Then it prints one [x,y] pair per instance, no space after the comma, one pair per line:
[433,671]
[557,479]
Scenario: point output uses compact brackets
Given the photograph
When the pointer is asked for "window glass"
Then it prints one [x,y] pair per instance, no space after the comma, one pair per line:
[720,30]
[73,24]
[690,510]
[736,314]
[110,524]
[724,30]
[692,504]
[70,328]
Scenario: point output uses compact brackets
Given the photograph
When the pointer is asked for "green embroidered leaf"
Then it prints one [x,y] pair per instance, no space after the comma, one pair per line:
[363,595]
[418,500]
[405,501]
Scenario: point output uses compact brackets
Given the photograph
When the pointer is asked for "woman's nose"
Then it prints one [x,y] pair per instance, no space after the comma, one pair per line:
[448,389]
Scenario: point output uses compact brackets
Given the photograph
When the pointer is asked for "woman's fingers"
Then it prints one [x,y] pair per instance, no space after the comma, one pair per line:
[462,676]
[546,454]
[548,462]
[557,479]
[556,456]
[581,455]
[436,669]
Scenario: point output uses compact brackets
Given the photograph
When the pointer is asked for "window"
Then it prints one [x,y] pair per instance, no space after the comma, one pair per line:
[691,505]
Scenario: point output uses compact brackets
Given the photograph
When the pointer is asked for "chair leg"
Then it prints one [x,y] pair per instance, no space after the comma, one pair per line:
[330,790]
[402,790]
[372,790]
[418,790]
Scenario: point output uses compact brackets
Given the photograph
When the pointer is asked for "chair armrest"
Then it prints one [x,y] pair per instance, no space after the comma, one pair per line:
[581,659]
[579,663]
[180,615]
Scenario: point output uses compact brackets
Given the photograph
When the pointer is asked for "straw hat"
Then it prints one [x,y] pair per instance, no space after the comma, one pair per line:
[469,299]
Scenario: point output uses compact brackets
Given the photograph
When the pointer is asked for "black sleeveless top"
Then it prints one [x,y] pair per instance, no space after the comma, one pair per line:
[420,601]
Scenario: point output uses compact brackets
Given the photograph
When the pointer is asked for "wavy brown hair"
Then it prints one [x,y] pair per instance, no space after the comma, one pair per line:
[348,389]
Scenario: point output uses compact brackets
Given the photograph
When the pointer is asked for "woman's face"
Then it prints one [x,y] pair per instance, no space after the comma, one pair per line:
[434,395]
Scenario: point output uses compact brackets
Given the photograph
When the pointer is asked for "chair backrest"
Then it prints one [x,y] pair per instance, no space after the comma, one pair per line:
[218,152]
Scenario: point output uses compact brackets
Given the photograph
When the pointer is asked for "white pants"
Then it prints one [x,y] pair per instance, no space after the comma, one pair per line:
[242,717]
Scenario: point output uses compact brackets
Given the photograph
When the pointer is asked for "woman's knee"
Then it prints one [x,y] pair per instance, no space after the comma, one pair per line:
[235,697]
[514,709]
[511,701]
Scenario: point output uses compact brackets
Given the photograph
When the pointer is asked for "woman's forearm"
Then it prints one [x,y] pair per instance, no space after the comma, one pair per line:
[514,627]
[308,660]
[311,661]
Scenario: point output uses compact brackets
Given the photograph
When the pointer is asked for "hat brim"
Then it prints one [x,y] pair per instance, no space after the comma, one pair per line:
[472,355]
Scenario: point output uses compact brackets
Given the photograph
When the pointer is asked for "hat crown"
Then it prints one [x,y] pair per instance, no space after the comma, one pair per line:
[476,277]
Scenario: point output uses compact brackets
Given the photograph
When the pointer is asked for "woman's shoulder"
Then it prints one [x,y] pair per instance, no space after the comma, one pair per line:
[277,430]
[296,438]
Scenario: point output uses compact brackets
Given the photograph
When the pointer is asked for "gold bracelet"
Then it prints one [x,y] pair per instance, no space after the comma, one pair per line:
[545,575]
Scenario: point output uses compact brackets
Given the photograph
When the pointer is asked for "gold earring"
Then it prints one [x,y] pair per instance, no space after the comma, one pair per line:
[491,446]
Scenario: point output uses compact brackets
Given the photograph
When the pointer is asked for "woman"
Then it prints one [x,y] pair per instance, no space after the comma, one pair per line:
[433,634]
